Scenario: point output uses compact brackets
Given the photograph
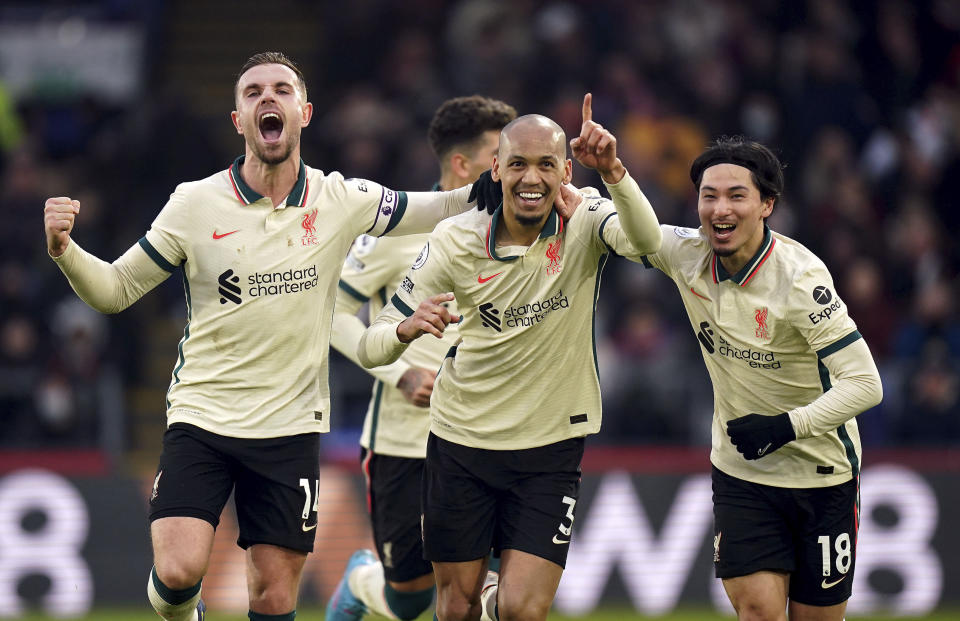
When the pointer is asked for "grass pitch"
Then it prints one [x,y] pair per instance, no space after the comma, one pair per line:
[606,614]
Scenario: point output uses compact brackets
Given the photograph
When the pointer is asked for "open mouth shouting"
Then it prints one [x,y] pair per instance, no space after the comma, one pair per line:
[271,127]
[723,231]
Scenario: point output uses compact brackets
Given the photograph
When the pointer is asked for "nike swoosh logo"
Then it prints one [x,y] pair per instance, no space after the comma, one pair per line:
[307,528]
[216,236]
[698,295]
[481,279]
[827,585]
[764,449]
[559,541]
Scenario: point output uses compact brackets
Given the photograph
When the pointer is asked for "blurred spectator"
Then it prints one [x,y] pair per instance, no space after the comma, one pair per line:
[861,101]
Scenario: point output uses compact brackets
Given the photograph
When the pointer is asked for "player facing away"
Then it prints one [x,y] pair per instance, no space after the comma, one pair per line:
[518,394]
[259,246]
[464,134]
[790,372]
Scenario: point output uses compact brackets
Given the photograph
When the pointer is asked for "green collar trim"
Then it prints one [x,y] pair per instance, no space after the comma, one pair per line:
[246,195]
[553,226]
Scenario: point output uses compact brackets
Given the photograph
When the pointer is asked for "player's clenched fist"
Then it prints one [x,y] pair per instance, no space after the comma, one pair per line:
[430,317]
[58,215]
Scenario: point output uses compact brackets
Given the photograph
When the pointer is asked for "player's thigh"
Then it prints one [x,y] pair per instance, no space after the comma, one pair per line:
[277,480]
[181,550]
[527,585]
[458,504]
[760,595]
[827,524]
[752,531]
[537,510]
[393,488]
[273,577]
[194,477]
[458,588]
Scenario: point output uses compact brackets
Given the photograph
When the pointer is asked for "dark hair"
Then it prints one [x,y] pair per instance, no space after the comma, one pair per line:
[764,167]
[462,121]
[272,58]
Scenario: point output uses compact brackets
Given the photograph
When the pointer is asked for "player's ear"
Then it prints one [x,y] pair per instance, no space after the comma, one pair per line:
[235,117]
[767,208]
[306,113]
[567,171]
[459,164]
[495,169]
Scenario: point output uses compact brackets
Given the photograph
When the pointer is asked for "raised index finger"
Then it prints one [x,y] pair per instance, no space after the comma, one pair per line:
[587,107]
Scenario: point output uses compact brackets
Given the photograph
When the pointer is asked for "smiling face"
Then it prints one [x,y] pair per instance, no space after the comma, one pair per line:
[271,112]
[531,165]
[731,213]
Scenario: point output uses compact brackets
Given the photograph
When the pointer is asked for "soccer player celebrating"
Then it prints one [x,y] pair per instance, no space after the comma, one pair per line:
[464,134]
[790,372]
[514,400]
[260,246]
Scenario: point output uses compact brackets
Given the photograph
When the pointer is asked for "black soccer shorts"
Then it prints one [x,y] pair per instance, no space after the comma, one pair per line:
[274,480]
[393,496]
[810,533]
[475,499]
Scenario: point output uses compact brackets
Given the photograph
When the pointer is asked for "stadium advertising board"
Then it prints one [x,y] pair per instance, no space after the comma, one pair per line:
[68,543]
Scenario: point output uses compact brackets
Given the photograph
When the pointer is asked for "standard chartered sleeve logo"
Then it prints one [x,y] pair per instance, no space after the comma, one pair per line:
[264,284]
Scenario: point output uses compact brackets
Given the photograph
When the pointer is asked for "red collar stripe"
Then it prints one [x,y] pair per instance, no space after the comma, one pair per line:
[486,245]
[766,255]
[236,188]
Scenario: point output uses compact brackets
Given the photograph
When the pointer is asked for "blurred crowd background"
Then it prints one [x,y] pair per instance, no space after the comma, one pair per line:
[115,102]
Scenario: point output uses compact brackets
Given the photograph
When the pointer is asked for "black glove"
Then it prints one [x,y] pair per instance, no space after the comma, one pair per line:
[756,435]
[487,192]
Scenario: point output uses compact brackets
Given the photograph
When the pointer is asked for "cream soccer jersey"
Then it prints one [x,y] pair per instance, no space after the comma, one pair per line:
[374,269]
[525,371]
[763,333]
[260,283]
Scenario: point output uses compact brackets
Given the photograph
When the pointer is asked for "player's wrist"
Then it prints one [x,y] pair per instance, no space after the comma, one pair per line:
[57,250]
[614,174]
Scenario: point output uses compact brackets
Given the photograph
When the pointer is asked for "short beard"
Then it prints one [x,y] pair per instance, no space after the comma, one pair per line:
[725,252]
[530,221]
[274,160]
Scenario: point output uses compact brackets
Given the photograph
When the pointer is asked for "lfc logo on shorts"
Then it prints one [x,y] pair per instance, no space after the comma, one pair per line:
[762,331]
[156,485]
[310,230]
[553,254]
[716,547]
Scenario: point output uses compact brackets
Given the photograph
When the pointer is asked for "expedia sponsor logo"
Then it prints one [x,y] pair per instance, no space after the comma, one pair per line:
[826,312]
[822,295]
[228,289]
[262,284]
